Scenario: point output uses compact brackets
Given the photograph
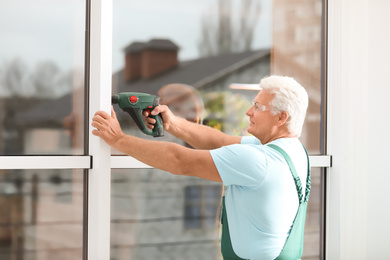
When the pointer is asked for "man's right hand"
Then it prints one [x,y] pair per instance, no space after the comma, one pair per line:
[167,116]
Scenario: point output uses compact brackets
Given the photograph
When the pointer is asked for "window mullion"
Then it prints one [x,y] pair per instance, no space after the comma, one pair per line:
[99,181]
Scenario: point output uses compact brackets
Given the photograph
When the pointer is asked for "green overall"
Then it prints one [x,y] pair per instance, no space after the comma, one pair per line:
[293,248]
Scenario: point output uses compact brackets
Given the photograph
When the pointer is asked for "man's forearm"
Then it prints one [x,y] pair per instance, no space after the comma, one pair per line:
[201,136]
[170,157]
[161,155]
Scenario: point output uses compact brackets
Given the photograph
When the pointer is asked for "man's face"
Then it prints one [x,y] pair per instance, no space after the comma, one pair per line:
[263,124]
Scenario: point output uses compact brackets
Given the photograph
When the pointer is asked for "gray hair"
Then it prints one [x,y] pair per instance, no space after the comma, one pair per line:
[291,97]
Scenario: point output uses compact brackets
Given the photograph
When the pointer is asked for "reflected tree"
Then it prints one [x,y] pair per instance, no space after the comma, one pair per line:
[223,32]
[229,118]
[15,79]
[46,81]
[50,81]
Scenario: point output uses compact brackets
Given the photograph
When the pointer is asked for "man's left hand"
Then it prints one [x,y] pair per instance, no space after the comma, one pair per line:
[107,127]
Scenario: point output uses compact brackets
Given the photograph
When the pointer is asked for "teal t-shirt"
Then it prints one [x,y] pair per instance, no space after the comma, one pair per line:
[261,197]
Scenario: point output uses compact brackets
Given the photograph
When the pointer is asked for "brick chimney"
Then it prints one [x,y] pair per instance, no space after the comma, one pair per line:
[150,59]
[133,61]
[159,56]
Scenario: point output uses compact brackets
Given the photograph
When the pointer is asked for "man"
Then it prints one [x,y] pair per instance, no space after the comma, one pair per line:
[261,196]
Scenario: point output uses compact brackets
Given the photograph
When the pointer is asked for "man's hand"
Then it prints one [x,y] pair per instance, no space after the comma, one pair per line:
[167,116]
[107,127]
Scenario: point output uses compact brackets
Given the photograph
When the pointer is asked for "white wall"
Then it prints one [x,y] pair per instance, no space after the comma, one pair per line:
[358,188]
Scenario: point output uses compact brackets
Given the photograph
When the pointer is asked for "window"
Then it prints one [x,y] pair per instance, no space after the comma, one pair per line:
[42,59]
[57,195]
[41,214]
[201,206]
[42,77]
[202,76]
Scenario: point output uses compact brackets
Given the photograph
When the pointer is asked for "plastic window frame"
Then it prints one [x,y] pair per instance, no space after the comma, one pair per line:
[97,161]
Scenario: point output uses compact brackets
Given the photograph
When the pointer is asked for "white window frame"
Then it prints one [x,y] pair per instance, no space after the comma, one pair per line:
[99,162]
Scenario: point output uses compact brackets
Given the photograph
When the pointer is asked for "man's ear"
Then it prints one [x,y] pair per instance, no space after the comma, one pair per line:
[283,116]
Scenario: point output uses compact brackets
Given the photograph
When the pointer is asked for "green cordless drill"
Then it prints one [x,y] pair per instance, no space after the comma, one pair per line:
[135,103]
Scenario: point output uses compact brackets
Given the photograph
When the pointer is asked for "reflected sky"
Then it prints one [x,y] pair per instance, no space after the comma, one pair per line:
[38,30]
[42,30]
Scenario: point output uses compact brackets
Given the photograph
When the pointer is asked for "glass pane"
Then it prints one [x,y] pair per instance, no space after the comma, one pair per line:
[41,213]
[154,211]
[42,77]
[157,215]
[296,52]
[313,225]
[206,45]
[198,56]
[224,48]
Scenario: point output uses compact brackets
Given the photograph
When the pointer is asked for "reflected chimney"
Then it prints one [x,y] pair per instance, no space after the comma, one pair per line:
[133,62]
[150,59]
[159,56]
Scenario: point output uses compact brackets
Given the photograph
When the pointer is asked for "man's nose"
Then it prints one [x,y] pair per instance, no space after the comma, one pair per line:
[249,111]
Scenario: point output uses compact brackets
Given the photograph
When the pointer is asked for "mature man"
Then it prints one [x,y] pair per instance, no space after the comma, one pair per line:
[261,199]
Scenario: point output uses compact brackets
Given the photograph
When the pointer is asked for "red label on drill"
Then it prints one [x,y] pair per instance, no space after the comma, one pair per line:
[133,99]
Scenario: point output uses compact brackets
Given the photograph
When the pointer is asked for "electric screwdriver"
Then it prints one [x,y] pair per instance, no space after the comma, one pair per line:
[134,104]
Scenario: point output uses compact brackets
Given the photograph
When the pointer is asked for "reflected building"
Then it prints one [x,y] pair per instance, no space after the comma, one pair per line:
[296,52]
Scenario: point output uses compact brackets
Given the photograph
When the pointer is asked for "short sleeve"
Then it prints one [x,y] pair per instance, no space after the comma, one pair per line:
[250,140]
[240,164]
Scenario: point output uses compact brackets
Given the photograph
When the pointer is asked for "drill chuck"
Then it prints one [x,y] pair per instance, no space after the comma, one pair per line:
[115,99]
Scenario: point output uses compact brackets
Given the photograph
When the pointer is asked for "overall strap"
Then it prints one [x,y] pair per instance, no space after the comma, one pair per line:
[297,180]
[293,248]
[308,178]
[226,243]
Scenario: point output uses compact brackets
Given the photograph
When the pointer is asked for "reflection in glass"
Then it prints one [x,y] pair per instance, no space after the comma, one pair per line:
[201,205]
[296,52]
[41,214]
[190,58]
[42,77]
[313,224]
[229,42]
[157,215]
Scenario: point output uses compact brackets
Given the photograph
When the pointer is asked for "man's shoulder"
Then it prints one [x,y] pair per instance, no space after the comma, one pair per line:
[288,144]
[250,140]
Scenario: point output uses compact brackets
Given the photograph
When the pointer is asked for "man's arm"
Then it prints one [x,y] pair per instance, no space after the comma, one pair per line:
[166,156]
[198,136]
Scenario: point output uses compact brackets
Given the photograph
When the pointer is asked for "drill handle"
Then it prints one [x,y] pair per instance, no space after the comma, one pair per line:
[158,130]
[136,114]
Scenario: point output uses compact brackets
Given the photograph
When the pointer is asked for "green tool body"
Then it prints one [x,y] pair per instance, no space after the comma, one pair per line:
[135,104]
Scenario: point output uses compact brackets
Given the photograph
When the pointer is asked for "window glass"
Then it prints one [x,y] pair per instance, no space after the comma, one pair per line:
[205,45]
[314,220]
[42,77]
[157,215]
[201,58]
[41,213]
[296,52]
[201,205]
[214,47]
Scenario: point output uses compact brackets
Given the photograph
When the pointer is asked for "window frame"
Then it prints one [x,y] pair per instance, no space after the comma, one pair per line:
[97,161]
